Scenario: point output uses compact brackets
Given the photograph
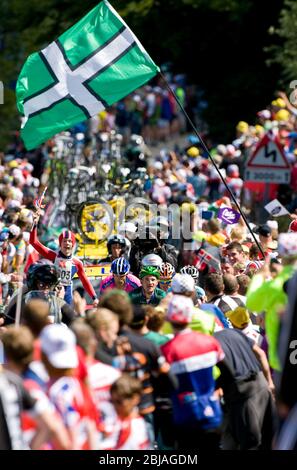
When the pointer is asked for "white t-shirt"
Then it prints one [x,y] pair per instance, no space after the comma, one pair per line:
[252,332]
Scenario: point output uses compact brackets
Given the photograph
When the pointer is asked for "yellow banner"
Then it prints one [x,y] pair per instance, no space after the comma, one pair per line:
[96,271]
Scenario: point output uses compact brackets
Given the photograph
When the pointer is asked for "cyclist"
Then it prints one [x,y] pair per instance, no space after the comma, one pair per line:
[67,264]
[120,278]
[148,293]
[167,272]
[192,271]
[116,245]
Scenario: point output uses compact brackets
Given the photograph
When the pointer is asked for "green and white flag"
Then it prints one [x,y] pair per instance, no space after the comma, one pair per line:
[94,64]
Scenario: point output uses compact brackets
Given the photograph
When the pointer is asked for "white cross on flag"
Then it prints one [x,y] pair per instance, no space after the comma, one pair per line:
[94,64]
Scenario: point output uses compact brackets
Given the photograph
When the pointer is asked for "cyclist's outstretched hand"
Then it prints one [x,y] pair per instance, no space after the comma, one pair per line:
[36,216]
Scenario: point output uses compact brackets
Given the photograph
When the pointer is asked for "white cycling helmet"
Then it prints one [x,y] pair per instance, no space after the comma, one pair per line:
[152,260]
[191,270]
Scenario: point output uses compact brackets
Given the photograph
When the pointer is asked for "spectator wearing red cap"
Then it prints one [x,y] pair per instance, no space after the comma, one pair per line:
[293,226]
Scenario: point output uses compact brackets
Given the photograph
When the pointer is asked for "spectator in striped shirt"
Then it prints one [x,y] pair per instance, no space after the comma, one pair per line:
[214,288]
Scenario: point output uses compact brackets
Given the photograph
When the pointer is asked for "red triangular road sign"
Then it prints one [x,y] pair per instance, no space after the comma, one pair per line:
[268,154]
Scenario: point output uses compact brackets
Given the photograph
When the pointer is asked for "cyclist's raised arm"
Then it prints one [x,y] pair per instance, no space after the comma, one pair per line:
[39,247]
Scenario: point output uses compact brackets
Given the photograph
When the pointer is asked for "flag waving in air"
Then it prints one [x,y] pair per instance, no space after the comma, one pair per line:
[94,64]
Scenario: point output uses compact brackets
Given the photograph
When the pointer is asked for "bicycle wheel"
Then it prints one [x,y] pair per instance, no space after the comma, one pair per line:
[139,210]
[95,220]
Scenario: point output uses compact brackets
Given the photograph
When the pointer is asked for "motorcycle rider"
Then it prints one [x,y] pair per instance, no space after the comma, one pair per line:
[42,281]
[116,245]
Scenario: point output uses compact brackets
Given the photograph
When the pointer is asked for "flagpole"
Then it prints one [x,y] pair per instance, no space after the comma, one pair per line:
[212,161]
[19,298]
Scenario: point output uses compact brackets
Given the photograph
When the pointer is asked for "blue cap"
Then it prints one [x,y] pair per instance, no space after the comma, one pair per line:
[4,236]
[193,139]
[200,292]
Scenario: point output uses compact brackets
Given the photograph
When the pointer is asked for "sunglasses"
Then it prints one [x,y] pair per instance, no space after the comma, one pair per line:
[166,282]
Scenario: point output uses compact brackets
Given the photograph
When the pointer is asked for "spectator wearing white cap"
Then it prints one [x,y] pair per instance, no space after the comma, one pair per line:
[182,284]
[203,319]
[16,239]
[191,355]
[69,395]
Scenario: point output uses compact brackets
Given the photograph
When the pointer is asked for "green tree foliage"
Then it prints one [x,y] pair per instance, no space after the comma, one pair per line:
[285,53]
[217,43]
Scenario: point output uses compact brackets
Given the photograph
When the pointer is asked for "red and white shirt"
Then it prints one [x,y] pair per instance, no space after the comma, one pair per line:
[124,434]
[77,410]
[101,377]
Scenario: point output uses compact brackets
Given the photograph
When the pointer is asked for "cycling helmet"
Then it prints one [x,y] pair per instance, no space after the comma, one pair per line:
[166,271]
[68,235]
[120,266]
[47,273]
[191,270]
[149,271]
[113,239]
[152,260]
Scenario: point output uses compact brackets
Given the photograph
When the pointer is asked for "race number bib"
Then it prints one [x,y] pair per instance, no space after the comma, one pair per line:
[65,271]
